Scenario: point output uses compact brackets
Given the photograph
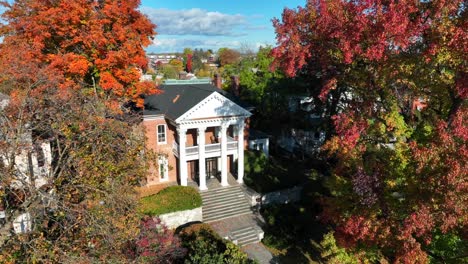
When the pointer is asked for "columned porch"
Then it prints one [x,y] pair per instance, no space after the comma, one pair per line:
[202,143]
[214,183]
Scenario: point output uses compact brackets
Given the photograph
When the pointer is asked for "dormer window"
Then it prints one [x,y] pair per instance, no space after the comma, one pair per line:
[161,134]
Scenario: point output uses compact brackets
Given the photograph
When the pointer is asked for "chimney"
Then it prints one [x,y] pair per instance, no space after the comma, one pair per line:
[235,85]
[217,81]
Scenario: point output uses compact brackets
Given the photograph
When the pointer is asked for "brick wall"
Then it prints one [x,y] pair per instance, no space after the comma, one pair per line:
[150,127]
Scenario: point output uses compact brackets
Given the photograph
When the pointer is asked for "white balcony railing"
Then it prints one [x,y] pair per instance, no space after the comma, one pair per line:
[209,148]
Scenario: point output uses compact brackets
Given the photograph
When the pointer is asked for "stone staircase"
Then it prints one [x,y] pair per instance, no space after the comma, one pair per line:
[224,203]
[246,235]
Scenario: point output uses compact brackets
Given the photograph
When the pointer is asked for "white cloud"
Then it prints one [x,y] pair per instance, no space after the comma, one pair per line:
[177,45]
[195,21]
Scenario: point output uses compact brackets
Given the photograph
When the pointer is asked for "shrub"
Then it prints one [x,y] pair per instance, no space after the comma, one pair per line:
[171,199]
[157,244]
[206,247]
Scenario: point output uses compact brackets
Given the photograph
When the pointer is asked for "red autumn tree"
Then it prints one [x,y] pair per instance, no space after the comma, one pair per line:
[83,44]
[189,62]
[399,184]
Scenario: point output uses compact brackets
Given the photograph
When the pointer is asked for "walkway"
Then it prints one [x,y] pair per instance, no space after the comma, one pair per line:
[260,253]
[255,251]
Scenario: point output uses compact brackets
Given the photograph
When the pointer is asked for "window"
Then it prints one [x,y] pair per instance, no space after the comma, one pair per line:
[163,168]
[260,147]
[161,134]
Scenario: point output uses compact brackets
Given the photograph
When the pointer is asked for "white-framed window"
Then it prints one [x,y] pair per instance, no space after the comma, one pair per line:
[258,146]
[161,134]
[163,168]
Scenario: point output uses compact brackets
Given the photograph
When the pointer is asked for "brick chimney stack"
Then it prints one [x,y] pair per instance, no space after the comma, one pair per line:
[235,85]
[217,81]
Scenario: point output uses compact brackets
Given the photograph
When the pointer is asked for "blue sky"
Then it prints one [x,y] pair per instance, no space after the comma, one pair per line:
[213,24]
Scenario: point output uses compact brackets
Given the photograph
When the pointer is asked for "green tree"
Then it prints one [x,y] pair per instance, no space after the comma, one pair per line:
[177,64]
[227,56]
[399,174]
[169,71]
[206,247]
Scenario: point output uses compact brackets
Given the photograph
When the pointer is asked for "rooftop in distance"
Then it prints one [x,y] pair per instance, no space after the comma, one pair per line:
[192,81]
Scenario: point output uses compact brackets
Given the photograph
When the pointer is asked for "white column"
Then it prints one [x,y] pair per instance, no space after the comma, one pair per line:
[201,158]
[181,132]
[240,152]
[224,181]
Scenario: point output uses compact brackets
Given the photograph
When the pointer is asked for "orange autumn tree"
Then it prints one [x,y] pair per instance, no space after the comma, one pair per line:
[67,66]
[82,44]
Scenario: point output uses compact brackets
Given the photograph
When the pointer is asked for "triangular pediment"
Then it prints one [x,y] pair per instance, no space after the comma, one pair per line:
[214,106]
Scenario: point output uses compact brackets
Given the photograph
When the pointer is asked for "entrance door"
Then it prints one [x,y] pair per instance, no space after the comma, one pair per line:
[211,167]
[193,169]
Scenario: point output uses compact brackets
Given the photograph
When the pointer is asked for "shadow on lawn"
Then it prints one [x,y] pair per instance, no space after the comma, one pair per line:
[274,173]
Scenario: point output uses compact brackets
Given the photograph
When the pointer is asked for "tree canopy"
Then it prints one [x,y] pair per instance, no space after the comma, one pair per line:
[68,68]
[394,81]
[228,56]
[81,44]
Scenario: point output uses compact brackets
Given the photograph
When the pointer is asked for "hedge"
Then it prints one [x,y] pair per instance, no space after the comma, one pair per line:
[170,199]
[205,246]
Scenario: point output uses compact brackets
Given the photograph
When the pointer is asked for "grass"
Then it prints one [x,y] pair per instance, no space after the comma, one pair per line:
[170,199]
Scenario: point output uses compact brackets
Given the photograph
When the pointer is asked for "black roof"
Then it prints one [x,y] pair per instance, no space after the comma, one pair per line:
[177,99]
[256,134]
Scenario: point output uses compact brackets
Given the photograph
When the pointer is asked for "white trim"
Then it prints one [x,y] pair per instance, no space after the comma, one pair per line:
[238,110]
[165,134]
[152,117]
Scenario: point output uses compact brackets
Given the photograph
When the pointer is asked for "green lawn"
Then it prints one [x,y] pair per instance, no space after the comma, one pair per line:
[171,199]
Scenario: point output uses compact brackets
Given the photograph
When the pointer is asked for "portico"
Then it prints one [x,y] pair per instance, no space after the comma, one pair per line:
[221,147]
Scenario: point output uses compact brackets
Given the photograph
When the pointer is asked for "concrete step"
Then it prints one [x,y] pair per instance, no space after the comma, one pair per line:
[224,215]
[216,192]
[245,236]
[224,205]
[216,211]
[224,197]
[241,231]
[248,241]
[226,212]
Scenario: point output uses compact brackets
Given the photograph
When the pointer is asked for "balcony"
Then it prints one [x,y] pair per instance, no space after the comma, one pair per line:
[211,150]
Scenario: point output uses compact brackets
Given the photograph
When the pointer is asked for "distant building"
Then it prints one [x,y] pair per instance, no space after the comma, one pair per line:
[31,160]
